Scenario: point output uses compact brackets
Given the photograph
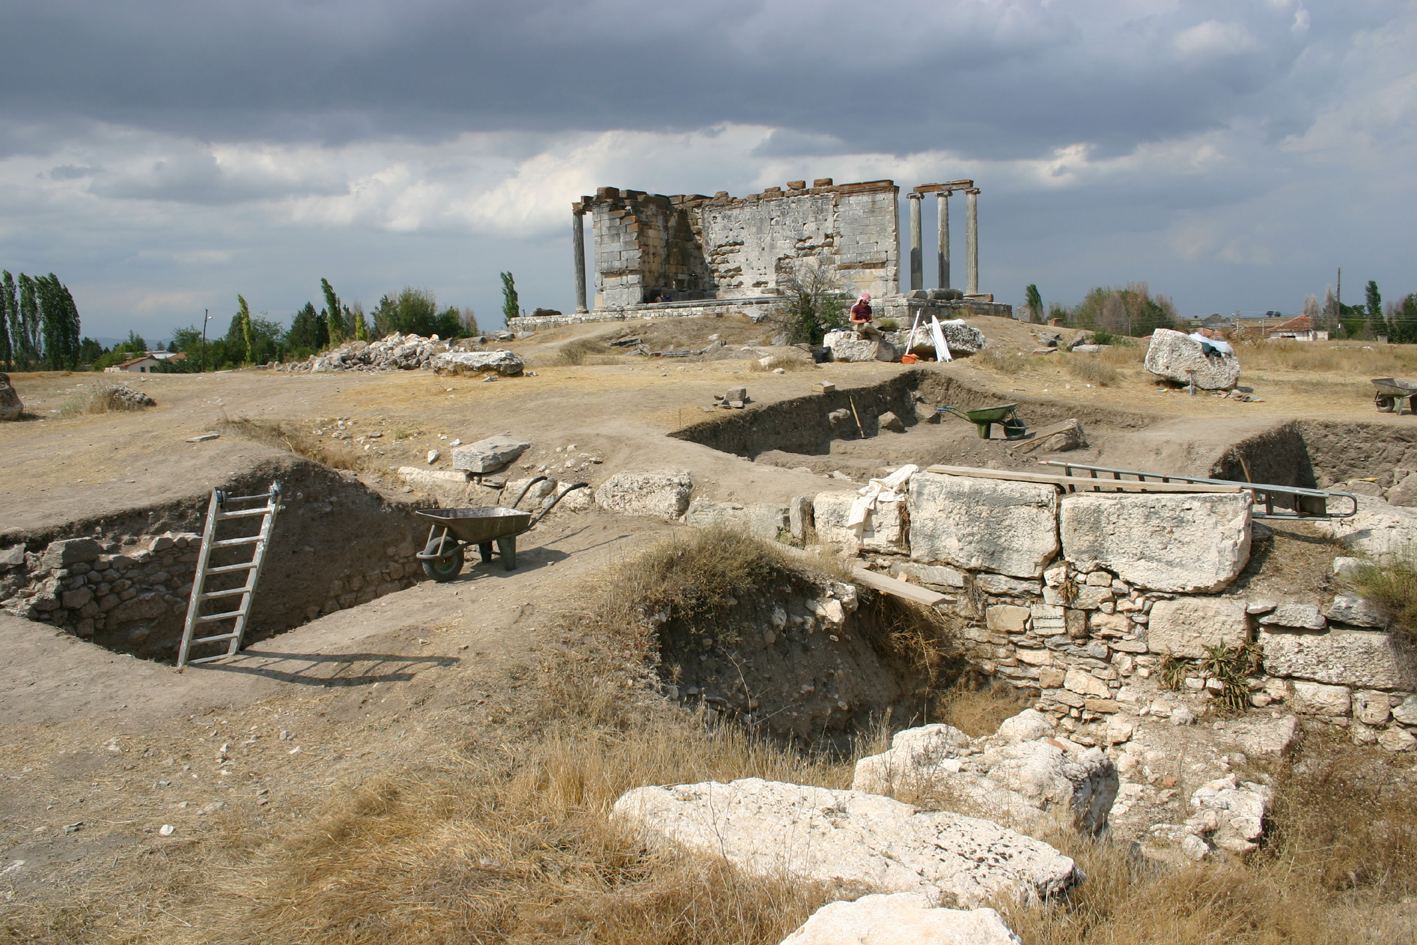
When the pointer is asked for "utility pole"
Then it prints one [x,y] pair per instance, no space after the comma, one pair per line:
[206,317]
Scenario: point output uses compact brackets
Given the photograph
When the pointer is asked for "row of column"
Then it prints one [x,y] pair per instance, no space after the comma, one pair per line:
[942,255]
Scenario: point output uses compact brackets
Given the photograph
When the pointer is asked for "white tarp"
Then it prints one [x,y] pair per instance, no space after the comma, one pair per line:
[889,489]
[942,349]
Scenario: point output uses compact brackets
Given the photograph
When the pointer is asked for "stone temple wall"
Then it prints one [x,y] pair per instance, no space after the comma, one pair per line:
[655,248]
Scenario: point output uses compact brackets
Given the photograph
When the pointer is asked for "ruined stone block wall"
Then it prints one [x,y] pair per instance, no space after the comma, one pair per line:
[649,246]
[1077,600]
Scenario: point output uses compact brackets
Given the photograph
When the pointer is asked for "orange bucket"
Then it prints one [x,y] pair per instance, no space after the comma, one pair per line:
[908,358]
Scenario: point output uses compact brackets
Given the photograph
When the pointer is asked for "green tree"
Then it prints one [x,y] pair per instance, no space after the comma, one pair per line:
[12,310]
[1033,301]
[1402,321]
[1131,310]
[511,308]
[814,304]
[54,318]
[334,317]
[89,351]
[1374,300]
[72,328]
[361,328]
[29,321]
[243,314]
[308,333]
[6,352]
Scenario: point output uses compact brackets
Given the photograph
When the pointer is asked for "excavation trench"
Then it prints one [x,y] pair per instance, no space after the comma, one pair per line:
[123,581]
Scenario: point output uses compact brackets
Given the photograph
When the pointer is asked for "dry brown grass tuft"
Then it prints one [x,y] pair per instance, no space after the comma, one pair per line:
[583,351]
[977,708]
[1091,370]
[301,442]
[1001,360]
[106,398]
[1392,586]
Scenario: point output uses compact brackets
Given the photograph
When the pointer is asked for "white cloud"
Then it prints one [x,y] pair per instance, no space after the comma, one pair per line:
[1214,38]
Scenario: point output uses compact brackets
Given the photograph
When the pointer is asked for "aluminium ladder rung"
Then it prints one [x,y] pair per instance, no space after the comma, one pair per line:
[240,513]
[213,618]
[233,542]
[264,497]
[212,595]
[207,659]
[214,638]
[228,568]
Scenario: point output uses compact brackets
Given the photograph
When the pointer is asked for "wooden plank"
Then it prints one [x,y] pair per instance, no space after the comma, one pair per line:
[1080,482]
[896,588]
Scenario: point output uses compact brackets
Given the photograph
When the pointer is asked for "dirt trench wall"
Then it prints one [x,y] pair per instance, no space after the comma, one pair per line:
[806,662]
[124,581]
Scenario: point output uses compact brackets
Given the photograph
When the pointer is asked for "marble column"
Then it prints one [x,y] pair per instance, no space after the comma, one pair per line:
[578,239]
[942,239]
[971,234]
[917,260]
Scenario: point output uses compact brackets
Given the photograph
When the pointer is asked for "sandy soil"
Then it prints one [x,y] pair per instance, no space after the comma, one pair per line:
[100,750]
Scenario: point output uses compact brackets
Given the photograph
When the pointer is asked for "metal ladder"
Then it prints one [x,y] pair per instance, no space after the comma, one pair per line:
[223,508]
[1270,501]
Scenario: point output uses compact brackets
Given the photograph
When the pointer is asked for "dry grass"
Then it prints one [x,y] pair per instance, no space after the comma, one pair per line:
[978,708]
[583,351]
[1337,871]
[1001,360]
[105,398]
[1360,359]
[1391,585]
[1089,369]
[287,436]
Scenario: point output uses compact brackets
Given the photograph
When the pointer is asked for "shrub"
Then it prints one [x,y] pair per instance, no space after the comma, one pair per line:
[814,304]
[888,324]
[1391,585]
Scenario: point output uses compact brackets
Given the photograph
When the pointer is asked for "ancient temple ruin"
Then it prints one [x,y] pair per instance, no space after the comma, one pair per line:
[688,254]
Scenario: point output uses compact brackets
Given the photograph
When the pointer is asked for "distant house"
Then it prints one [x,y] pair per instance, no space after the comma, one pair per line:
[145,363]
[1299,328]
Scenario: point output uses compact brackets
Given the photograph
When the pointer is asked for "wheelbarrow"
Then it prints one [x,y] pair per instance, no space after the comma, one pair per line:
[1006,415]
[484,526]
[1392,391]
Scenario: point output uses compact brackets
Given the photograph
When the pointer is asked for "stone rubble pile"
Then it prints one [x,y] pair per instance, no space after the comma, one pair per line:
[398,352]
[123,397]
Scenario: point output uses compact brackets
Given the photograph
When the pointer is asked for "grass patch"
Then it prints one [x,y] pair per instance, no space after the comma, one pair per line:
[1001,361]
[1391,585]
[1363,359]
[582,351]
[1089,369]
[106,398]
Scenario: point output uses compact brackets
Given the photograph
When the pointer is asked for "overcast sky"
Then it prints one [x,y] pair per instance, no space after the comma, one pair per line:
[161,157]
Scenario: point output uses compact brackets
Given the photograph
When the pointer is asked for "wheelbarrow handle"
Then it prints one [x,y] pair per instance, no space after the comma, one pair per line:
[542,514]
[527,488]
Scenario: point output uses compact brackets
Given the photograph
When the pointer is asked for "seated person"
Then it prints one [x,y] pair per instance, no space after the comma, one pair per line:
[861,316]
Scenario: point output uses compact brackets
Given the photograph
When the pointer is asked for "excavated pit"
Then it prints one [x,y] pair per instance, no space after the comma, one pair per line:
[123,581]
[811,661]
[1313,453]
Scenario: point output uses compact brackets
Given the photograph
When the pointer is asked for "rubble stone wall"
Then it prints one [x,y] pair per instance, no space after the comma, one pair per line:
[1100,625]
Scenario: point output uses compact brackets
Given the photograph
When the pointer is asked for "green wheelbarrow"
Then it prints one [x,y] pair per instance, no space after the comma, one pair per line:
[1006,415]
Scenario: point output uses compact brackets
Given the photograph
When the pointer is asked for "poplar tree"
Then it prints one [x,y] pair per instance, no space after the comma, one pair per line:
[511,307]
[244,314]
[332,312]
[12,312]
[6,352]
[29,320]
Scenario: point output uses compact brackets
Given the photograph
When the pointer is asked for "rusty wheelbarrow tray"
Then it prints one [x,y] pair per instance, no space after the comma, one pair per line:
[484,526]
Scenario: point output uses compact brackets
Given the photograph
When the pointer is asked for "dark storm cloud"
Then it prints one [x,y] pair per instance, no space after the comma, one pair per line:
[1003,79]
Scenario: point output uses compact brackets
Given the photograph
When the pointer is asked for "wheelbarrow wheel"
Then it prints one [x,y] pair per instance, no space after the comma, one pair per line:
[448,564]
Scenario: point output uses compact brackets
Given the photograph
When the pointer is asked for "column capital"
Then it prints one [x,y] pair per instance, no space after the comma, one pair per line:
[914,196]
[578,208]
[973,191]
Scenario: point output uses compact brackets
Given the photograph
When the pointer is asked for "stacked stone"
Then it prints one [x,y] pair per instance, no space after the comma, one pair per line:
[393,353]
[1086,598]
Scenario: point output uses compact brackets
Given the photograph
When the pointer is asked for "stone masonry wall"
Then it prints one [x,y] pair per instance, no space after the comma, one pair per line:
[654,247]
[1107,605]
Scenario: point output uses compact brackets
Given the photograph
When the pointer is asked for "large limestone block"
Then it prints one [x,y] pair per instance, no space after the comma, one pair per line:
[1165,542]
[1361,658]
[1175,355]
[883,530]
[769,828]
[504,363]
[1230,814]
[901,919]
[1028,782]
[1188,626]
[1313,698]
[983,524]
[1377,529]
[764,521]
[849,346]
[489,455]
[658,494]
[10,405]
